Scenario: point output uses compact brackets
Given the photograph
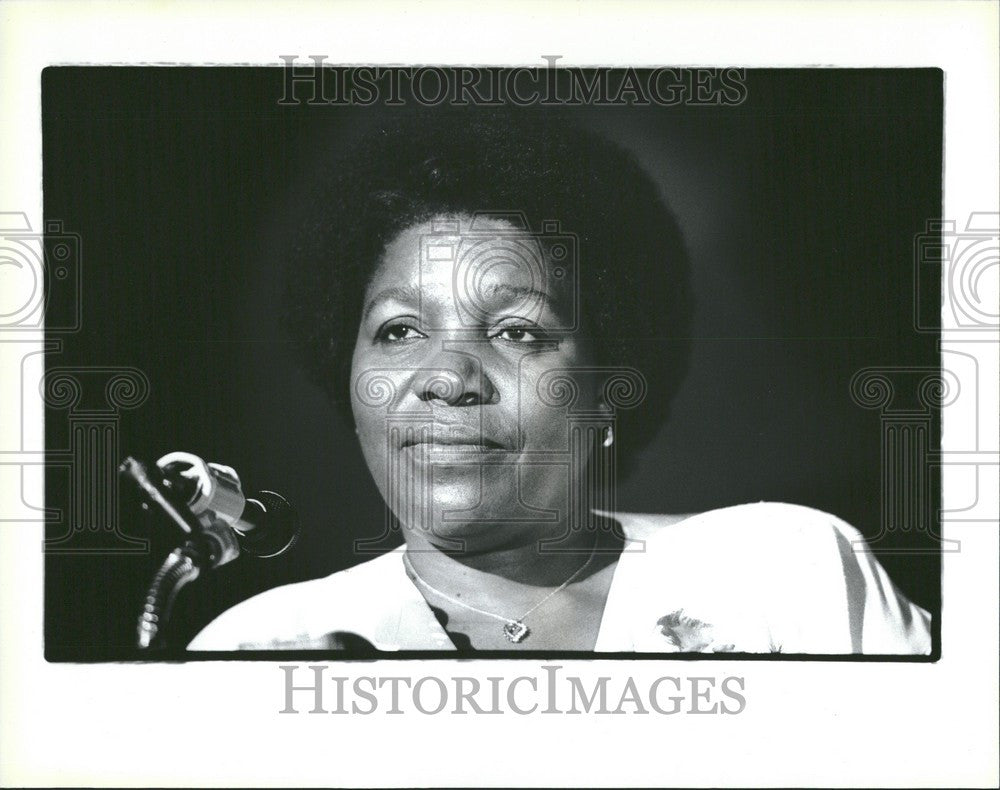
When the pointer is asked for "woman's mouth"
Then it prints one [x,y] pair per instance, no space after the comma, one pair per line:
[452,438]
[453,444]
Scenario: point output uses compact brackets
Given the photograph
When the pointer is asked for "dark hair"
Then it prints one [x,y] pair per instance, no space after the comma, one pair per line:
[633,268]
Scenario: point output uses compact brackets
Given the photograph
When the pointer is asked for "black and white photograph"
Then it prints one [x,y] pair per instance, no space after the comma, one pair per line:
[441,391]
[557,377]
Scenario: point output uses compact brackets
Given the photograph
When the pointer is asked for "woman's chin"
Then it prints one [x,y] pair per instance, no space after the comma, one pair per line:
[464,491]
[465,506]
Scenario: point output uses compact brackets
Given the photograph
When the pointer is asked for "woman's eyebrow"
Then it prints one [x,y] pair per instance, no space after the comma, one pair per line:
[401,293]
[517,292]
[411,294]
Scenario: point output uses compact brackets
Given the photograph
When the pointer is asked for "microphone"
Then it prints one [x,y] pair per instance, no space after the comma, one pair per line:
[206,503]
[265,525]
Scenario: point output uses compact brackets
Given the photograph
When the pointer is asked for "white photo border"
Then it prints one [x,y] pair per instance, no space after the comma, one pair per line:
[217,723]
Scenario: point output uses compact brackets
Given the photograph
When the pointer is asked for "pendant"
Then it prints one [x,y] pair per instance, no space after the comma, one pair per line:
[515,631]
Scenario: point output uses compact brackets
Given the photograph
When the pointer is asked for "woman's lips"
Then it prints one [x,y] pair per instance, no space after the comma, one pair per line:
[455,447]
[459,446]
[454,439]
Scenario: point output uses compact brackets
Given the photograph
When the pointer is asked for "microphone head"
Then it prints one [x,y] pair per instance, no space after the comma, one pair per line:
[278,526]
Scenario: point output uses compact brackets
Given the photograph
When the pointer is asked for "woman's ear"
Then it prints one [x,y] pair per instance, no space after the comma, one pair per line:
[609,430]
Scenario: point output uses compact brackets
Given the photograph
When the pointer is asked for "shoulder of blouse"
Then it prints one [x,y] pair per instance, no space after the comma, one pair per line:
[754,521]
[294,615]
[806,573]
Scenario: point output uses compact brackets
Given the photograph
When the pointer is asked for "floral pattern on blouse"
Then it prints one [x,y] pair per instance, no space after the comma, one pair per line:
[688,634]
[691,635]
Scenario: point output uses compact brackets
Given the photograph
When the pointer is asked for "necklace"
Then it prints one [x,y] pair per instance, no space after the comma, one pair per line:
[515,630]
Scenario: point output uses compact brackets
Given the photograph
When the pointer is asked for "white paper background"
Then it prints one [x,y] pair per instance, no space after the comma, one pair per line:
[827,724]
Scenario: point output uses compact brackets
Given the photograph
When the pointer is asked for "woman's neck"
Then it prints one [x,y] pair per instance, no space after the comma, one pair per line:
[528,560]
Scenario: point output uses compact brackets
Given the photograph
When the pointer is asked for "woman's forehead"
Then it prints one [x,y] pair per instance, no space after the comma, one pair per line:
[473,265]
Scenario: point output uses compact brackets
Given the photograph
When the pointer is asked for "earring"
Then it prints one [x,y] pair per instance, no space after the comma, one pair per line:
[609,436]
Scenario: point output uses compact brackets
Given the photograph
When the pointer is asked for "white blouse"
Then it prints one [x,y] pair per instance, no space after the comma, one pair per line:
[758,578]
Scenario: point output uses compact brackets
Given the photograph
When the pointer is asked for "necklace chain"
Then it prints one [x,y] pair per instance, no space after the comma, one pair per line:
[514,628]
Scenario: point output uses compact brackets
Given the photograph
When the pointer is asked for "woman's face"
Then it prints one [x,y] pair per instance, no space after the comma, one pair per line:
[463,360]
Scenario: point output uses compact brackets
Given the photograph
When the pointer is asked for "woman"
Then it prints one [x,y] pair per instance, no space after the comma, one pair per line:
[499,303]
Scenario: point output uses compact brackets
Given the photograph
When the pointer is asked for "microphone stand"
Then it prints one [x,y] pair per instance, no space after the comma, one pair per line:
[207,543]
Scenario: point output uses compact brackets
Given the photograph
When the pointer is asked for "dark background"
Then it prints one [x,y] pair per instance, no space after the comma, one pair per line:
[799,207]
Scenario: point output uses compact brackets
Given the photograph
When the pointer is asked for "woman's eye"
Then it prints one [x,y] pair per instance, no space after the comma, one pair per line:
[520,334]
[394,333]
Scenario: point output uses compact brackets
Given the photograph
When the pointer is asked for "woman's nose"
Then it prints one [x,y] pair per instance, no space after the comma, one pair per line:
[455,378]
